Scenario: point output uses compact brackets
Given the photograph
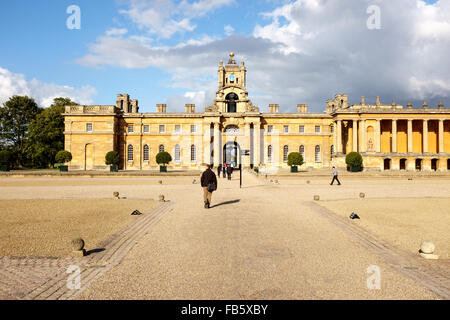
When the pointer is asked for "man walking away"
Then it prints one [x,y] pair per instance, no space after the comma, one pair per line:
[219,169]
[209,185]
[229,171]
[224,170]
[335,177]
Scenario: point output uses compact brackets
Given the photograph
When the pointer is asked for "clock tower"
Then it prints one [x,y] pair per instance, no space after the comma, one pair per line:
[232,95]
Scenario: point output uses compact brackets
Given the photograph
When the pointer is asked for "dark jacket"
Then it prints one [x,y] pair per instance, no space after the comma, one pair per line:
[208,177]
[229,170]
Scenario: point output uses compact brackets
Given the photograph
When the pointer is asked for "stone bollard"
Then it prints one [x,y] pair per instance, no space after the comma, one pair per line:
[116,195]
[78,248]
[276,181]
[161,198]
[427,250]
[316,198]
[160,182]
[308,182]
[271,181]
[194,181]
[362,195]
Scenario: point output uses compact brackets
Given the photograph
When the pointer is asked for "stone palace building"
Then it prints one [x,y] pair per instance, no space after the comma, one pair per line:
[233,130]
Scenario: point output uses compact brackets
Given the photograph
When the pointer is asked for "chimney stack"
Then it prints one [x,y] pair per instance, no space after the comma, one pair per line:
[161,108]
[274,108]
[302,108]
[190,108]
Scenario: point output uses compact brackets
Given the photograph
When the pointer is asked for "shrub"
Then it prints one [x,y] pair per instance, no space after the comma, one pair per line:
[112,158]
[63,156]
[5,157]
[354,159]
[163,158]
[295,159]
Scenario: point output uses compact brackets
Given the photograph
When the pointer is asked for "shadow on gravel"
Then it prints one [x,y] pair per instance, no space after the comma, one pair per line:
[226,203]
[94,251]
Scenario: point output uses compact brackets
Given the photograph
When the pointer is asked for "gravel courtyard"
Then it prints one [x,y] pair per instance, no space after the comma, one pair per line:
[263,241]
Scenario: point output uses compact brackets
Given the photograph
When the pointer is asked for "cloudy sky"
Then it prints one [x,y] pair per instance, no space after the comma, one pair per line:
[167,51]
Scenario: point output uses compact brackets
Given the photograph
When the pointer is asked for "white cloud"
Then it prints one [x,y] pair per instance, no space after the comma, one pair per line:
[309,50]
[116,32]
[164,18]
[228,30]
[16,84]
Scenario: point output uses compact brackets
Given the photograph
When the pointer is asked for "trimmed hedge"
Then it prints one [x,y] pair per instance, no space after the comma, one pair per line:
[63,156]
[112,158]
[295,159]
[354,159]
[163,158]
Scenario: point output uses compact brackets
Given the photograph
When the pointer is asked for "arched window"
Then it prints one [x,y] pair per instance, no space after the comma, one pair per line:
[146,153]
[285,153]
[332,151]
[269,153]
[193,153]
[302,152]
[177,153]
[130,153]
[318,157]
[161,148]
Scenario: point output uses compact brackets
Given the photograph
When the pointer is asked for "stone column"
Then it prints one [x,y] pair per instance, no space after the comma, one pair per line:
[246,146]
[339,136]
[410,136]
[334,138]
[394,136]
[256,143]
[216,145]
[378,136]
[425,136]
[363,142]
[441,137]
[355,136]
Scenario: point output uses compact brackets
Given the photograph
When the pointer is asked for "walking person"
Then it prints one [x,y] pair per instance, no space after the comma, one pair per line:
[335,177]
[209,185]
[219,169]
[229,171]
[224,170]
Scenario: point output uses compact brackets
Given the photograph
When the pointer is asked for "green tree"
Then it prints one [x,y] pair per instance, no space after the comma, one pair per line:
[112,158]
[295,159]
[163,158]
[46,134]
[354,159]
[15,118]
[63,156]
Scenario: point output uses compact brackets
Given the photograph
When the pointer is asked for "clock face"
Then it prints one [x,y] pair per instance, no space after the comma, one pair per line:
[232,77]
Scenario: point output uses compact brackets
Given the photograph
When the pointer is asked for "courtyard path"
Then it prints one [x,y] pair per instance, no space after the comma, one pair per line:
[265,241]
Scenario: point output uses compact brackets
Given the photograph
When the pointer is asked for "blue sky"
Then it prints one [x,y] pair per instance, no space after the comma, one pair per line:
[166,51]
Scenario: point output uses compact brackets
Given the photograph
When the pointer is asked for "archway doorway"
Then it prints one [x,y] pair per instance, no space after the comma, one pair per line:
[419,164]
[231,102]
[89,157]
[231,154]
[402,164]
[448,164]
[434,164]
[387,164]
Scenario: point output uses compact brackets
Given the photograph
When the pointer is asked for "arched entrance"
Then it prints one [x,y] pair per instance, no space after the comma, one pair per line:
[419,164]
[387,164]
[402,164]
[231,102]
[434,164]
[89,157]
[448,164]
[232,153]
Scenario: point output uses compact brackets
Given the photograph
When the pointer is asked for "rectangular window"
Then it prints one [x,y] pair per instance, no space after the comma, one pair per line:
[270,129]
[193,129]
[146,129]
[317,129]
[177,128]
[89,127]
[332,129]
[301,129]
[130,129]
[162,129]
[286,129]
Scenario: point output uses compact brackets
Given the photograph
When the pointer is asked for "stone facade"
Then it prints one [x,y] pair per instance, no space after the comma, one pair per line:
[389,137]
